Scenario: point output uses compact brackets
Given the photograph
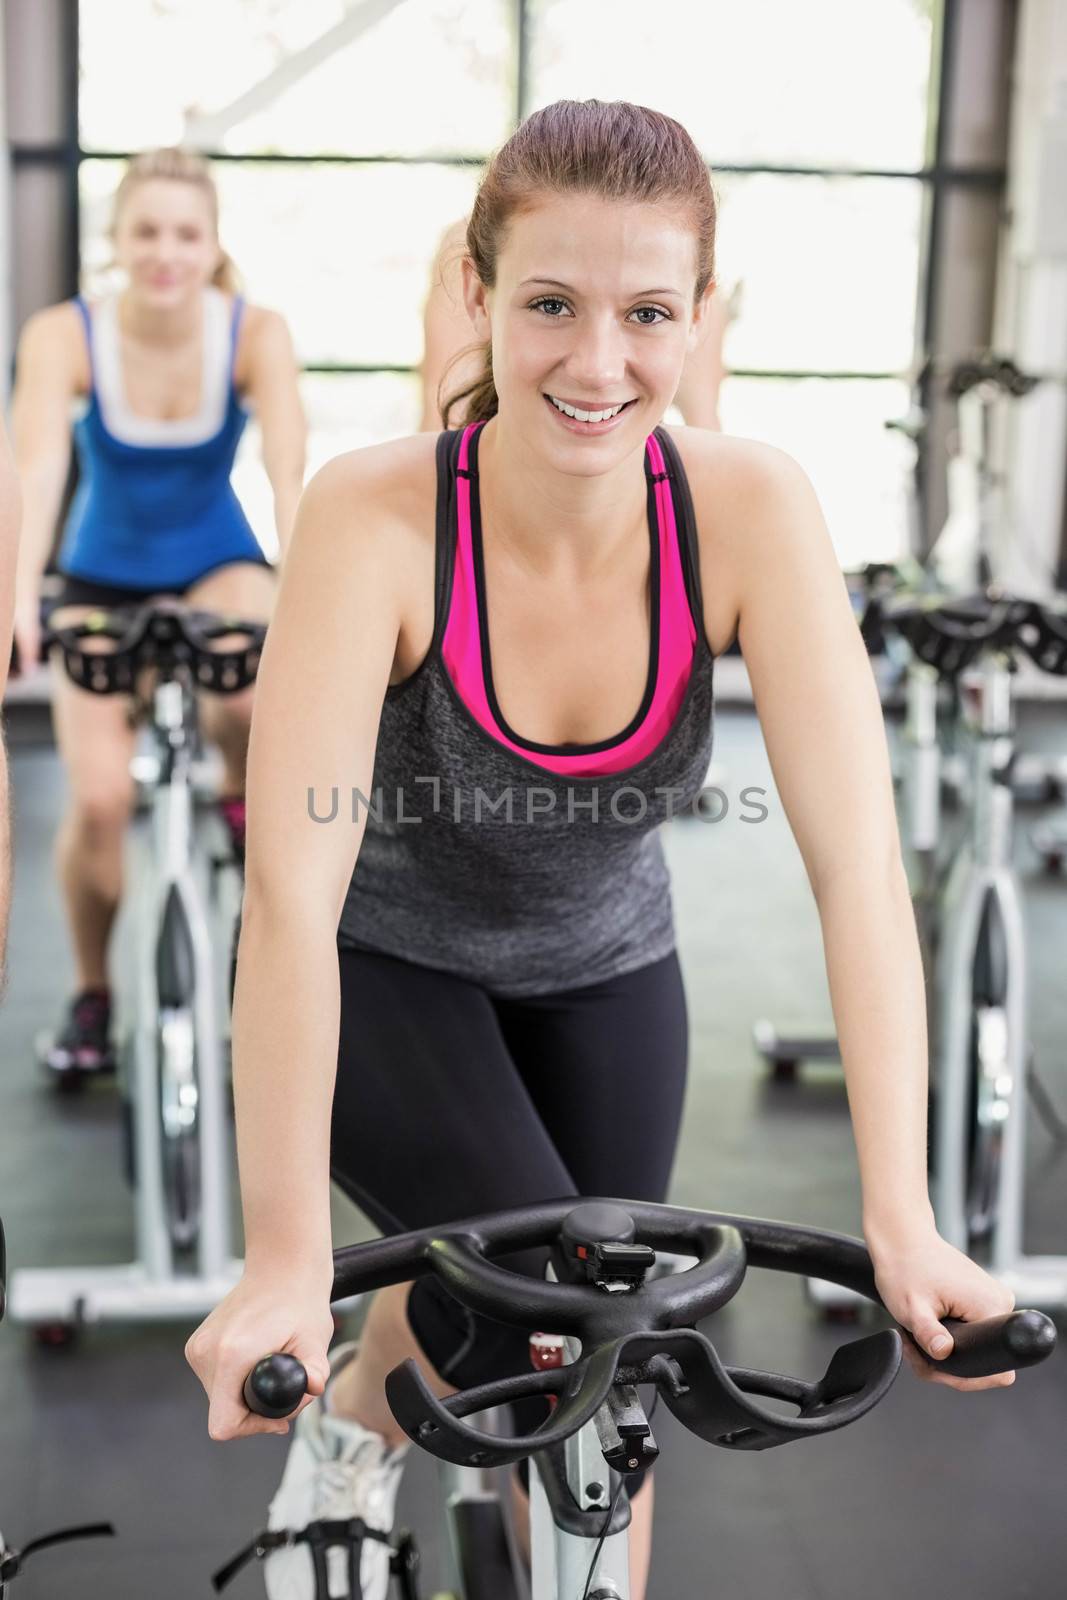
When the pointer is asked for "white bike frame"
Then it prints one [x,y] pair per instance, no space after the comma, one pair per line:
[153,1288]
[559,1559]
[984,869]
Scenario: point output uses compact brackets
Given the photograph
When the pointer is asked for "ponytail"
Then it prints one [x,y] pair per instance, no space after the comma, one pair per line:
[480,396]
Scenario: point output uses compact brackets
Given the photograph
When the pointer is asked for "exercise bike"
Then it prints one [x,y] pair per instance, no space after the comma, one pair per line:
[964,559]
[172,1055]
[623,1329]
[982,1058]
[982,542]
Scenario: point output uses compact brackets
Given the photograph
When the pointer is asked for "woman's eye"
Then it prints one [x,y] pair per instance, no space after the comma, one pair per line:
[648,316]
[551,305]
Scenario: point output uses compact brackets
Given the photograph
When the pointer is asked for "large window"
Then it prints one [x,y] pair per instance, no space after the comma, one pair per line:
[826,83]
[349,135]
[418,78]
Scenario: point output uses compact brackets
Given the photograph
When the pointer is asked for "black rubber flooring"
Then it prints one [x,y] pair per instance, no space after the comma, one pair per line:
[935,1494]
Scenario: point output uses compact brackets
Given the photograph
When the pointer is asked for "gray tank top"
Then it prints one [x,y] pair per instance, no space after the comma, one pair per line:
[481,861]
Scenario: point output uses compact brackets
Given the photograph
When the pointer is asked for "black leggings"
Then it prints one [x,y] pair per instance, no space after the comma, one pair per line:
[452,1102]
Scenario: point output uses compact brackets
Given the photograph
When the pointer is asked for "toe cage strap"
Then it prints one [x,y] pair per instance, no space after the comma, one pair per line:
[320,1537]
[263,1545]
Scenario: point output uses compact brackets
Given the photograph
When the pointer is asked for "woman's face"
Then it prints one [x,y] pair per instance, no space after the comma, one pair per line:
[165,241]
[592,311]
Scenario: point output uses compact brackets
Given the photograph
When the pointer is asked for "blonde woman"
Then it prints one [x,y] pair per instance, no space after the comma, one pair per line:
[169,368]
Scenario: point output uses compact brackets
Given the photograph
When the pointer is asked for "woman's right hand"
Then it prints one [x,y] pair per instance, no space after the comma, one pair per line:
[262,1315]
[27,634]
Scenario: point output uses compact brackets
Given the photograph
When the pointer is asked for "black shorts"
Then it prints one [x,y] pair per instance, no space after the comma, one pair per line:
[75,591]
[452,1101]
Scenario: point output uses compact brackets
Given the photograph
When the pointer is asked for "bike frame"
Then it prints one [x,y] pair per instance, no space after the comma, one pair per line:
[173,874]
[921,777]
[984,879]
[965,554]
[559,1559]
[152,1287]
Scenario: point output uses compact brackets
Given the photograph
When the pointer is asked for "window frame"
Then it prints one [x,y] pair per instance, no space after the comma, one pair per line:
[939,177]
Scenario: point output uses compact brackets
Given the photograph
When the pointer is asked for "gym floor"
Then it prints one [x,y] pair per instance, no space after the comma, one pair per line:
[935,1493]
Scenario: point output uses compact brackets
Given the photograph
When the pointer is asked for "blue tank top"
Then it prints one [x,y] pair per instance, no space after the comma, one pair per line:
[155,508]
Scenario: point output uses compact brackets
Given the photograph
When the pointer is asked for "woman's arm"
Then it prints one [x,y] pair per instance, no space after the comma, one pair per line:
[319,692]
[326,665]
[270,373]
[9,532]
[10,507]
[822,722]
[697,397]
[446,328]
[51,365]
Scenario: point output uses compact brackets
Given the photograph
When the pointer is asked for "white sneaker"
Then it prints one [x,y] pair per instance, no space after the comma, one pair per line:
[335,1469]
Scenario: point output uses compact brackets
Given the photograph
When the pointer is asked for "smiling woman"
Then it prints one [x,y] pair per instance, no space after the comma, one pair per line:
[601,344]
[530,606]
[452,365]
[667,183]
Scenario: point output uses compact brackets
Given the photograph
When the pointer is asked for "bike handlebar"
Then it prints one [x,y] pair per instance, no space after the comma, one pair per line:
[162,634]
[638,1333]
[1043,635]
[999,372]
[950,632]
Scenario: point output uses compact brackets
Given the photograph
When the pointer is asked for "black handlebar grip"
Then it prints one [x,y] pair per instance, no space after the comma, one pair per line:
[999,1344]
[275,1386]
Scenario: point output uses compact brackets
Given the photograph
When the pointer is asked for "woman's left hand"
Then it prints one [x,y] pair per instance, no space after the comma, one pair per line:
[922,1279]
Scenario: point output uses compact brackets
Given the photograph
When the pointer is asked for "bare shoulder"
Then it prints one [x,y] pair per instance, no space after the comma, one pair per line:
[55,323]
[56,336]
[263,341]
[262,322]
[729,476]
[390,479]
[377,503]
[363,546]
[753,503]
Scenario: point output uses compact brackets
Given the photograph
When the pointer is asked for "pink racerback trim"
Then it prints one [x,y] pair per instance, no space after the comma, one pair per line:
[462,651]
